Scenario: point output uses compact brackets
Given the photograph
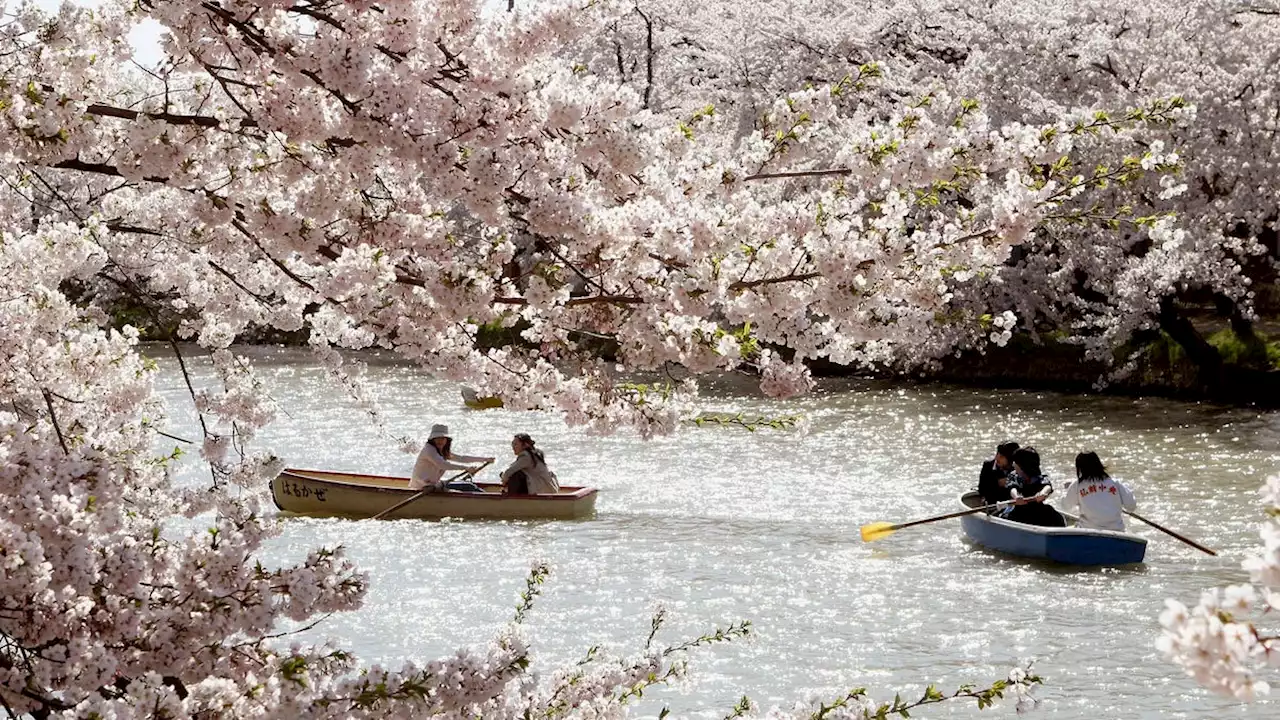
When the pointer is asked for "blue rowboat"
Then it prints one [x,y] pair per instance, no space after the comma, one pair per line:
[1069,545]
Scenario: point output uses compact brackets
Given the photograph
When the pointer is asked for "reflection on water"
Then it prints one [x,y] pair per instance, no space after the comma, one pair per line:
[719,524]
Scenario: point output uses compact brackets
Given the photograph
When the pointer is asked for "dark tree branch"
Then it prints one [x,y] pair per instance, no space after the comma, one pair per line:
[100,169]
[53,417]
[101,110]
[617,56]
[799,173]
[279,265]
[649,55]
[172,437]
[545,245]
[1205,356]
[748,284]
[235,281]
[668,262]
[584,300]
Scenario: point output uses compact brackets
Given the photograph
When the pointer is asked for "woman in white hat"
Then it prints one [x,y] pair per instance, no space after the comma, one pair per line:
[437,457]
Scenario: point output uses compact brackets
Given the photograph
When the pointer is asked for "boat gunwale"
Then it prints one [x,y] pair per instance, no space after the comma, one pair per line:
[1052,531]
[567,494]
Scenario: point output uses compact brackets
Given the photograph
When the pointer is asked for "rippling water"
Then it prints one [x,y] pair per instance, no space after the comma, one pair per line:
[719,524]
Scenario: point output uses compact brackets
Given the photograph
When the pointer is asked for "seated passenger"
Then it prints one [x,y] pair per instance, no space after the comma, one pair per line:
[993,480]
[1029,488]
[528,474]
[1098,498]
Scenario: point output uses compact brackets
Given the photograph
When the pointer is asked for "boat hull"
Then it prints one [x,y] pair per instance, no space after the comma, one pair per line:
[331,494]
[483,403]
[1069,545]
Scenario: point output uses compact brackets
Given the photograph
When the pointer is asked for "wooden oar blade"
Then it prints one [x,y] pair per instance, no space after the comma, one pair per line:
[874,531]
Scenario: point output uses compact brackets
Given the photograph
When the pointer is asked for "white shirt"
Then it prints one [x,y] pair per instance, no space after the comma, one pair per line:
[1099,503]
[430,467]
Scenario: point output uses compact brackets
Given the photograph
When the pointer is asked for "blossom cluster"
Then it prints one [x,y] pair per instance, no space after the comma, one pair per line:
[1101,275]
[1221,641]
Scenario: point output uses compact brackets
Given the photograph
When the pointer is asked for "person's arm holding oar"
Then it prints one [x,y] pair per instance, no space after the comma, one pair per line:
[468,459]
[1070,501]
[429,489]
[437,457]
[430,466]
[1045,491]
[1128,502]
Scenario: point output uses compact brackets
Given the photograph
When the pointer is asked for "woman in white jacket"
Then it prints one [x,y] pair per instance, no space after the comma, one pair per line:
[437,457]
[1096,497]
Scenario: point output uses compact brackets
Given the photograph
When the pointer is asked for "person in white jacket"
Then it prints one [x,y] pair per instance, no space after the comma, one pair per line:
[1097,498]
[437,456]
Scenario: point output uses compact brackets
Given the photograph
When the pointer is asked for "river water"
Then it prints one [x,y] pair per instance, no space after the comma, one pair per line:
[720,524]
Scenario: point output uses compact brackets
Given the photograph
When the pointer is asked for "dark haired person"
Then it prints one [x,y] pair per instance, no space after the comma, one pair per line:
[528,474]
[993,480]
[436,457]
[1099,501]
[1029,489]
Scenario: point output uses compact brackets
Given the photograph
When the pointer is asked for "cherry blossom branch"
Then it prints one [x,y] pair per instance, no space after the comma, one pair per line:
[101,169]
[549,247]
[749,284]
[235,281]
[649,55]
[581,300]
[171,437]
[127,284]
[178,119]
[800,173]
[53,418]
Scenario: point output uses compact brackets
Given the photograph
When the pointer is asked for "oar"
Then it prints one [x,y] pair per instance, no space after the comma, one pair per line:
[875,531]
[415,496]
[1171,533]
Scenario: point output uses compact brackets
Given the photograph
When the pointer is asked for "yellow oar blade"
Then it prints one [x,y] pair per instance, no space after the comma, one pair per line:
[875,531]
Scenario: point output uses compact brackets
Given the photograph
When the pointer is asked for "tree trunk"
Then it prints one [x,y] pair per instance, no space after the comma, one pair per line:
[1206,358]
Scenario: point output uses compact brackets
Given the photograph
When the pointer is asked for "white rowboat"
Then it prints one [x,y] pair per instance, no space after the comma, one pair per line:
[336,494]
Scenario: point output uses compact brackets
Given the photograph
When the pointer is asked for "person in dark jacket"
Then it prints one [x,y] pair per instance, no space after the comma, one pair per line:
[993,479]
[1029,488]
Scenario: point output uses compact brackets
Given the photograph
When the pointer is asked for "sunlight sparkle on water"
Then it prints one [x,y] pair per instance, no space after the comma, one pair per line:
[718,524]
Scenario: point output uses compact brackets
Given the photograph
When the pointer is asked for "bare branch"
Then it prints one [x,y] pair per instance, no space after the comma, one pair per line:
[800,173]
[53,417]
[584,300]
[748,284]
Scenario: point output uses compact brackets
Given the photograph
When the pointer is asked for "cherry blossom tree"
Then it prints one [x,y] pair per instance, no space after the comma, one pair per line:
[1218,55]
[1031,62]
[405,175]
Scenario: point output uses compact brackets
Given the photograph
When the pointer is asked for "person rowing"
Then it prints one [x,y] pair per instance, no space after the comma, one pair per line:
[437,457]
[1099,499]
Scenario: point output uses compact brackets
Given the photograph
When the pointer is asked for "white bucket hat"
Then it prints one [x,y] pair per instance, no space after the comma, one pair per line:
[439,431]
